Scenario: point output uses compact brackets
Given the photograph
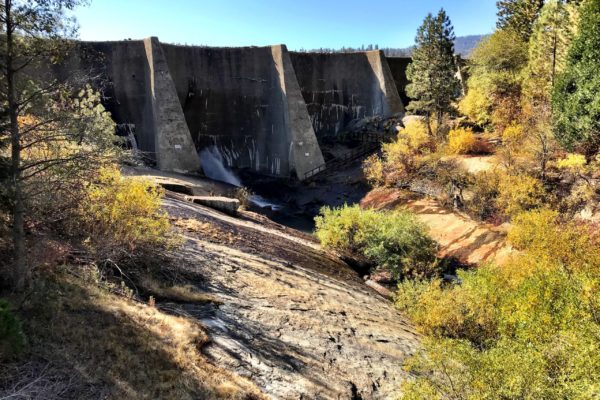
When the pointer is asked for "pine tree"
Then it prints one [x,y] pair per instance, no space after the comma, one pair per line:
[518,15]
[576,95]
[552,35]
[432,73]
[38,111]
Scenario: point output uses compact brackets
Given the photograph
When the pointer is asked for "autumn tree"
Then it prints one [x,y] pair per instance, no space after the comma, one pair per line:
[553,33]
[518,15]
[432,73]
[493,99]
[54,133]
[575,97]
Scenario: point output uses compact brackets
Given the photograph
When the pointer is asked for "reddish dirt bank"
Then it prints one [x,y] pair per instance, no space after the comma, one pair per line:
[459,236]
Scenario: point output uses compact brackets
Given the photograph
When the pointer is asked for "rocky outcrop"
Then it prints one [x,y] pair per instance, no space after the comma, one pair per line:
[459,236]
[294,319]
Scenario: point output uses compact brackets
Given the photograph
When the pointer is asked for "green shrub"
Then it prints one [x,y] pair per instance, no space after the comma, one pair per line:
[392,240]
[12,339]
[526,330]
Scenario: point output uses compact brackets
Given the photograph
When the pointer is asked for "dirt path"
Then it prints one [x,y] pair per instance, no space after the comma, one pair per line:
[459,236]
[294,319]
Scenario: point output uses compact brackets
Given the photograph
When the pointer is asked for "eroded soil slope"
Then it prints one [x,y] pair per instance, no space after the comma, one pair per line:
[295,320]
[458,235]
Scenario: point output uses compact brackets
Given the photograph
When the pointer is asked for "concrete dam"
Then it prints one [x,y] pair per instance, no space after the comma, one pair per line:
[262,108]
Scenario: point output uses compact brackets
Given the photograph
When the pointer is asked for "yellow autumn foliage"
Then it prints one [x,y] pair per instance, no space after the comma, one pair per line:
[124,211]
[572,162]
[461,141]
[518,193]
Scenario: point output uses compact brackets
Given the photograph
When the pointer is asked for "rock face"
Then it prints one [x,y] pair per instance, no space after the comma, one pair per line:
[460,237]
[295,320]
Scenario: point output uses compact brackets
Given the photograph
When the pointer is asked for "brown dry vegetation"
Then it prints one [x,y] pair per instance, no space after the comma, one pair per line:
[86,342]
[180,293]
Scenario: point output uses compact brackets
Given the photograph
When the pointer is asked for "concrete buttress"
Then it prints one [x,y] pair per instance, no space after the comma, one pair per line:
[174,147]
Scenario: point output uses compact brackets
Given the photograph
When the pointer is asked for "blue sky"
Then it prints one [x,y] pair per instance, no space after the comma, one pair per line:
[298,23]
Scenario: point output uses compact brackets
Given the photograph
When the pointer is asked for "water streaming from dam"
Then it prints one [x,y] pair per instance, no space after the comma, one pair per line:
[213,165]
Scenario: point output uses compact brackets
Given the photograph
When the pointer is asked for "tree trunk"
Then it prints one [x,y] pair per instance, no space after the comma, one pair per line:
[429,130]
[19,271]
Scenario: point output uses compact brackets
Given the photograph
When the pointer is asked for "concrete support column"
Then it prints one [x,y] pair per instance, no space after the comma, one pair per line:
[175,150]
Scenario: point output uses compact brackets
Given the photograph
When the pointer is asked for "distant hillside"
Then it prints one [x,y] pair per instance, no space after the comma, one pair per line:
[463,45]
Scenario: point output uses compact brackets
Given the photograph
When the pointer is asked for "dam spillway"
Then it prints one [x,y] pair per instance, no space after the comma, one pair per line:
[263,108]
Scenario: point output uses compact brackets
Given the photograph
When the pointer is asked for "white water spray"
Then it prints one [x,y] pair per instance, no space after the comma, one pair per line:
[214,167]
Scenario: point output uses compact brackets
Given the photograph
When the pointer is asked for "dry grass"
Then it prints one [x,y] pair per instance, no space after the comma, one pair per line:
[111,347]
[208,230]
[177,293]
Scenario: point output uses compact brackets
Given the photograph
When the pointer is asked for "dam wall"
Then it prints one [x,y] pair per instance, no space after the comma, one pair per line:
[262,108]
[398,66]
[339,88]
[247,103]
[140,95]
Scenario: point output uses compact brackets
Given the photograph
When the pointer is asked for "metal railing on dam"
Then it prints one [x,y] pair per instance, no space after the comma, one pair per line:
[370,142]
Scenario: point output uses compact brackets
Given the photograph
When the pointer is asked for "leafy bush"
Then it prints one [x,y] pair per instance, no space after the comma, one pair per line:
[119,213]
[484,188]
[464,311]
[513,144]
[12,339]
[528,329]
[415,134]
[393,240]
[402,158]
[544,236]
[461,141]
[373,169]
[572,162]
[518,193]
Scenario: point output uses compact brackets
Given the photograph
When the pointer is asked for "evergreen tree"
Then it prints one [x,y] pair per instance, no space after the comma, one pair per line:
[552,35]
[576,95]
[53,138]
[432,73]
[518,15]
